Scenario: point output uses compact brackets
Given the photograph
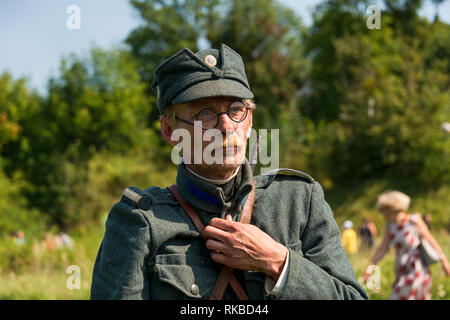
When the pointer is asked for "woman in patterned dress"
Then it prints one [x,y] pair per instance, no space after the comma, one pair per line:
[403,232]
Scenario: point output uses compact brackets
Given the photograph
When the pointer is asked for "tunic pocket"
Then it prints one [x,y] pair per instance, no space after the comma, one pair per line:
[179,276]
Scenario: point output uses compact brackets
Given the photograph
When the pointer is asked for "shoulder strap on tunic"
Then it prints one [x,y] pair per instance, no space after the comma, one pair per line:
[143,199]
[289,172]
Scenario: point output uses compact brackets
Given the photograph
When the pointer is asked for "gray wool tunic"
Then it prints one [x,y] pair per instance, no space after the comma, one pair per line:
[152,250]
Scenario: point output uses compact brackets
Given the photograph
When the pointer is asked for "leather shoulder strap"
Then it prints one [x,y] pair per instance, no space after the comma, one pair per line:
[226,275]
[189,210]
[247,210]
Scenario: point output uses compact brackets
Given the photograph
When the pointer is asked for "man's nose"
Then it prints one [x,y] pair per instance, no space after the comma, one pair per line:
[225,123]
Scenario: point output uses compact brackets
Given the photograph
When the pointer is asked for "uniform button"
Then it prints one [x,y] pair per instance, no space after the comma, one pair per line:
[194,289]
[144,203]
[210,60]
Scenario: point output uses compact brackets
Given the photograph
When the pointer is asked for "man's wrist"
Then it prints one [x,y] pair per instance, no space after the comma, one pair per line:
[276,267]
[273,287]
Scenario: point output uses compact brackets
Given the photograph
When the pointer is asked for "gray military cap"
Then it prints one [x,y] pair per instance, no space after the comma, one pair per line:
[188,76]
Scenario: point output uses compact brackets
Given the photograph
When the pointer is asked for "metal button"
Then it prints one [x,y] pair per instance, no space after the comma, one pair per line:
[194,289]
[210,60]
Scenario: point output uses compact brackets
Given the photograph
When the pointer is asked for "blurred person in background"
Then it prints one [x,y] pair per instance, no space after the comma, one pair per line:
[349,238]
[20,238]
[404,231]
[63,240]
[427,220]
[368,232]
[50,242]
[66,240]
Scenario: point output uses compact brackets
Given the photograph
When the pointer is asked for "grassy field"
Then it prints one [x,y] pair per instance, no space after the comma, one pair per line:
[43,275]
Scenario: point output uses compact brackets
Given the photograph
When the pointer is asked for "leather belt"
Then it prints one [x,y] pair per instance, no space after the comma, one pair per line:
[226,275]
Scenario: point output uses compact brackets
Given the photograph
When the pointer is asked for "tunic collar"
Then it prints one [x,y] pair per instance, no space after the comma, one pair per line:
[209,197]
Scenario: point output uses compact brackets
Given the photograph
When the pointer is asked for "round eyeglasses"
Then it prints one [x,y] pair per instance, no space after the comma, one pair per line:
[237,111]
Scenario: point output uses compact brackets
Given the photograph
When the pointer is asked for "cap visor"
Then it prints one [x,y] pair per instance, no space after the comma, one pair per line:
[213,88]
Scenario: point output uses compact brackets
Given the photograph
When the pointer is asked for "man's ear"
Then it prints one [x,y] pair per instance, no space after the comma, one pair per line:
[166,130]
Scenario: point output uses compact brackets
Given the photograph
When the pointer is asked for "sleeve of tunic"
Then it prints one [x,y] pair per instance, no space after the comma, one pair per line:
[120,266]
[321,268]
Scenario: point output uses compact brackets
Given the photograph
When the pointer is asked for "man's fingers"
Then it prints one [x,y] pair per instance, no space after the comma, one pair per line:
[228,217]
[224,224]
[216,246]
[219,258]
[215,233]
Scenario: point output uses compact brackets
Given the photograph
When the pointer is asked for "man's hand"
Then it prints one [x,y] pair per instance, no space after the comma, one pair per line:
[244,246]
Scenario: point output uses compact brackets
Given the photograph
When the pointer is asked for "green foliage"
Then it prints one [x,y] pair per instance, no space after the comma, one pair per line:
[31,271]
[15,214]
[382,101]
[15,257]
[110,173]
[96,103]
[332,20]
[16,101]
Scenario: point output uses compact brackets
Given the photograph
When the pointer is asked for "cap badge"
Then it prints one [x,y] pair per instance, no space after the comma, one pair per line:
[210,60]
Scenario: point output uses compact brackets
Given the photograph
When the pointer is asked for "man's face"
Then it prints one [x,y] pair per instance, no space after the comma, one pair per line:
[234,135]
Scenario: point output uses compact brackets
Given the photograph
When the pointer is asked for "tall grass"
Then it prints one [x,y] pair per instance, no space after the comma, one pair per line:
[42,274]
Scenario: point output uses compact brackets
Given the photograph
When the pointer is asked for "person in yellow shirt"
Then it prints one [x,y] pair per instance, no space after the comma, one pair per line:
[349,238]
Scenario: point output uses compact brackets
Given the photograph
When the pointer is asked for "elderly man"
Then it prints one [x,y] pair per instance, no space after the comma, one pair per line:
[220,232]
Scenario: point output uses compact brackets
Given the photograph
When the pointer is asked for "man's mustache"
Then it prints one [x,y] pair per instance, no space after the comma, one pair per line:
[228,142]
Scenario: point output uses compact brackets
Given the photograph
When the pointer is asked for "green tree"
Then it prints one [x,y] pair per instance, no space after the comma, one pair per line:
[16,100]
[332,20]
[95,103]
[390,97]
